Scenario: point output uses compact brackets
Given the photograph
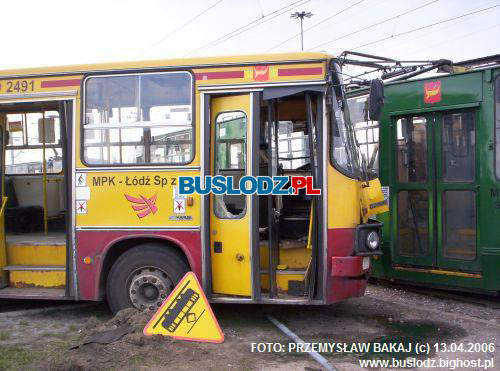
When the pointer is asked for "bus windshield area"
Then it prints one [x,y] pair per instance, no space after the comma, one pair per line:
[367,133]
[345,152]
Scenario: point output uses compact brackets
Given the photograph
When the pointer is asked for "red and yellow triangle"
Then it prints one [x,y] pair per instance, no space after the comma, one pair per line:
[186,315]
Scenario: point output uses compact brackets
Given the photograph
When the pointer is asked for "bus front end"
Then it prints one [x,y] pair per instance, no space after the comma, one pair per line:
[354,199]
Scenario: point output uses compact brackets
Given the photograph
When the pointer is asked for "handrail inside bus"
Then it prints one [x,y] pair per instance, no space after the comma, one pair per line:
[4,204]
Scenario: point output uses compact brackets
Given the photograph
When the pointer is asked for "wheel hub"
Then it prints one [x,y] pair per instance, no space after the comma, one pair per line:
[149,287]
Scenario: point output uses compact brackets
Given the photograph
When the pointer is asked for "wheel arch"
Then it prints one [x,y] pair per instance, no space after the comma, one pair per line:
[118,247]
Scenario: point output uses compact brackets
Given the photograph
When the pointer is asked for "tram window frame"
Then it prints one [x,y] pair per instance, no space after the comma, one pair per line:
[402,145]
[496,127]
[149,142]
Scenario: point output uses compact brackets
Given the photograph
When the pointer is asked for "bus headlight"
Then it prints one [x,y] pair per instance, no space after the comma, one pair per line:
[372,240]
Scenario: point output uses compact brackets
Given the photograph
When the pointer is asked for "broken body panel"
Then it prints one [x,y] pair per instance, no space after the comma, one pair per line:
[122,150]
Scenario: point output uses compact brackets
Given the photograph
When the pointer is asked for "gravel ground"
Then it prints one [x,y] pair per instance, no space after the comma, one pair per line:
[386,315]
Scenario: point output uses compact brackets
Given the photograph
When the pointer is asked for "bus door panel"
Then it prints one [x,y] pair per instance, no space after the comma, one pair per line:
[230,214]
[3,248]
[275,202]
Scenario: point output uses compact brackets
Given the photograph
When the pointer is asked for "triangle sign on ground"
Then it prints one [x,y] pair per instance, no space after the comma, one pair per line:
[186,315]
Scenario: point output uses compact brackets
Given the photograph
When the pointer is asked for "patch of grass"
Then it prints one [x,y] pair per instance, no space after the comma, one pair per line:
[73,328]
[14,357]
[4,335]
[58,335]
[54,354]
[23,322]
[47,334]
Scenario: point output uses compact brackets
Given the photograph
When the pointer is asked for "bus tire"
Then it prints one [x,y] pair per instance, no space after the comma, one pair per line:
[143,277]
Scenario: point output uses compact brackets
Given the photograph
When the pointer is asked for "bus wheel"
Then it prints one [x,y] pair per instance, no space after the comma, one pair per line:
[143,277]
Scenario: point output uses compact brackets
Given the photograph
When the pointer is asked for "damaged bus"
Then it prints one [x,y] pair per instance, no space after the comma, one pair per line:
[90,160]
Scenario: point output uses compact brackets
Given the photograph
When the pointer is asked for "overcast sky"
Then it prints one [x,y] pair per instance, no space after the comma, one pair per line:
[55,32]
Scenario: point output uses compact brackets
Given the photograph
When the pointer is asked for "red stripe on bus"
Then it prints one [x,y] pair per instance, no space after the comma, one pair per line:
[220,75]
[300,71]
[60,83]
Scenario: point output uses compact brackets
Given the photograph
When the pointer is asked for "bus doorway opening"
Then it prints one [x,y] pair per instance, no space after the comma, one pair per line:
[34,214]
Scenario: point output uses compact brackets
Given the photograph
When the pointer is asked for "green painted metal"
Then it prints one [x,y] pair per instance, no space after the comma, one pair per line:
[465,92]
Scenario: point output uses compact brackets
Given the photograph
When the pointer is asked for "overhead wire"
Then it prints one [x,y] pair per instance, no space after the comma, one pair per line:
[260,8]
[247,27]
[314,26]
[439,31]
[424,27]
[374,25]
[191,20]
[454,39]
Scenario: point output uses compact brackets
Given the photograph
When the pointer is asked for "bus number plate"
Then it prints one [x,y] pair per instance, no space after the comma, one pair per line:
[17,86]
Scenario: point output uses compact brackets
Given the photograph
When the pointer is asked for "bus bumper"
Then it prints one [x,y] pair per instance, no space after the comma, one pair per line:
[347,274]
[349,266]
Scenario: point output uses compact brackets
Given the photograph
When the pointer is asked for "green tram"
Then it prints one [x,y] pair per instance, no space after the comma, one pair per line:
[436,148]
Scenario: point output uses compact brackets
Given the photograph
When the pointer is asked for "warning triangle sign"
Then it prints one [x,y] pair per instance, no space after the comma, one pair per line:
[186,315]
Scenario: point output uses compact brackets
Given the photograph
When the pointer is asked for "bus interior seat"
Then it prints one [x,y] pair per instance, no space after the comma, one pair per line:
[20,218]
[29,192]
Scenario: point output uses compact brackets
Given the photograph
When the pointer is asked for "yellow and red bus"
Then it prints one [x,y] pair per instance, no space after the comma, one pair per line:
[91,156]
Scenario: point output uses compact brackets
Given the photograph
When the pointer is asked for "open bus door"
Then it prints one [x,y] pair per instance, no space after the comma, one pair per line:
[231,226]
[3,249]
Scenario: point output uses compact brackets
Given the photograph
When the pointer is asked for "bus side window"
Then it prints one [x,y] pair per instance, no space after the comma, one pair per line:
[139,119]
[24,150]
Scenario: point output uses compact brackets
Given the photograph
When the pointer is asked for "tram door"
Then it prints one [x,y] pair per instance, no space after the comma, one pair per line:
[434,196]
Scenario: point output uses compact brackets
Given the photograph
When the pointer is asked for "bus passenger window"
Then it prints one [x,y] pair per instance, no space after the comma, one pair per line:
[230,160]
[24,151]
[293,145]
[139,119]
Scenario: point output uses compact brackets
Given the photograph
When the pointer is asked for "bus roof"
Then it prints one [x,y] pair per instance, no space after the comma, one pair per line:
[179,62]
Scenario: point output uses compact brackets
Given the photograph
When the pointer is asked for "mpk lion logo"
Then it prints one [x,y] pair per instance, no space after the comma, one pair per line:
[261,73]
[432,92]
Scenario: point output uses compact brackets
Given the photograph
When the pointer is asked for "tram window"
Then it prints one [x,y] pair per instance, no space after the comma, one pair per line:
[413,223]
[367,132]
[412,149]
[497,125]
[459,221]
[230,160]
[458,148]
[24,150]
[138,119]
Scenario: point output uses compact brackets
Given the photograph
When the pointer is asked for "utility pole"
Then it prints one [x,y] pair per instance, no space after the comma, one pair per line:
[301,15]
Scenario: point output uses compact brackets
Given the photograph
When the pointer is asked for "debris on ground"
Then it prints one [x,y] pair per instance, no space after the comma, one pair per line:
[127,325]
[385,315]
[100,343]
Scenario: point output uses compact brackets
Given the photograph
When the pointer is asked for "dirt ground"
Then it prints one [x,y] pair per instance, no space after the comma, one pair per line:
[384,316]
